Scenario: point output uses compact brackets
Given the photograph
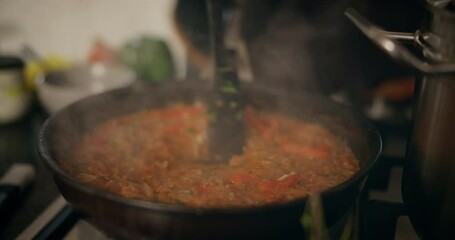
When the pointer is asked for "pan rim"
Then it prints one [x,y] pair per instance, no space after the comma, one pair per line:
[51,163]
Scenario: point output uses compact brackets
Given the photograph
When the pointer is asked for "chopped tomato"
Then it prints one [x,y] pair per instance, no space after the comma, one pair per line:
[262,125]
[179,112]
[155,155]
[147,170]
[202,188]
[241,179]
[266,186]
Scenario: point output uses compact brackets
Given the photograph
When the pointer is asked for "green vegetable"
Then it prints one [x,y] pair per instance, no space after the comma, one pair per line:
[150,58]
[312,219]
[229,87]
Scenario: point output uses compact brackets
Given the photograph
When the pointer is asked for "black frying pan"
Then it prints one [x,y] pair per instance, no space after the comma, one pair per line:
[134,219]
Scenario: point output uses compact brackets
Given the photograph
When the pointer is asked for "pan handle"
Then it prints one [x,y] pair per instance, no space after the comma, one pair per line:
[387,41]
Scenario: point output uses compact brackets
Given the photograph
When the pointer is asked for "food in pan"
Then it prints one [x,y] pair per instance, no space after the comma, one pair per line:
[156,155]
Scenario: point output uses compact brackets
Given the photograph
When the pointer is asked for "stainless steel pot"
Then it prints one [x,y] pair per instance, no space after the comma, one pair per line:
[429,172]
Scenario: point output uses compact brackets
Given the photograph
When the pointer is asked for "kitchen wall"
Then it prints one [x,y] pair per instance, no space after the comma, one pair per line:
[68,27]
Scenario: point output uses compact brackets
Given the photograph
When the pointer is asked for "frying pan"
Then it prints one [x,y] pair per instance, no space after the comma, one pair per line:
[124,218]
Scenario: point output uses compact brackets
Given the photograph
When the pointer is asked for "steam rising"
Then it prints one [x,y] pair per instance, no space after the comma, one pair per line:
[295,47]
[70,125]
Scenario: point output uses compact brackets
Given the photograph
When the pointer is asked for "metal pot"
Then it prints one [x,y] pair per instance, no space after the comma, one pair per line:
[128,218]
[429,171]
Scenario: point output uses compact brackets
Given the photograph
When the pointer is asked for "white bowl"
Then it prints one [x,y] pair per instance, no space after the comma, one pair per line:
[60,88]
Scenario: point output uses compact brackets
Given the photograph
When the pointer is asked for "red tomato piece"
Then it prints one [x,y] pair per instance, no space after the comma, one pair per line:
[180,112]
[202,188]
[241,179]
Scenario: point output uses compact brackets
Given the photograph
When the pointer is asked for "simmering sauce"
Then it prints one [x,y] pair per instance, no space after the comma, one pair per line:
[154,155]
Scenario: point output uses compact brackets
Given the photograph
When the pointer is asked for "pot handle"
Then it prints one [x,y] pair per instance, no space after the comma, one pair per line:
[387,41]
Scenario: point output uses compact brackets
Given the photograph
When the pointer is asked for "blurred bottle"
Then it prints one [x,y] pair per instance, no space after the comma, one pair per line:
[101,52]
[14,96]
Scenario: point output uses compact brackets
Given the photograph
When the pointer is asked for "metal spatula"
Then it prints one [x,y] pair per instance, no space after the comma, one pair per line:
[226,126]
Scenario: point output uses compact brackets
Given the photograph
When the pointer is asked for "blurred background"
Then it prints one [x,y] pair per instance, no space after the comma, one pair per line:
[310,44]
[70,28]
